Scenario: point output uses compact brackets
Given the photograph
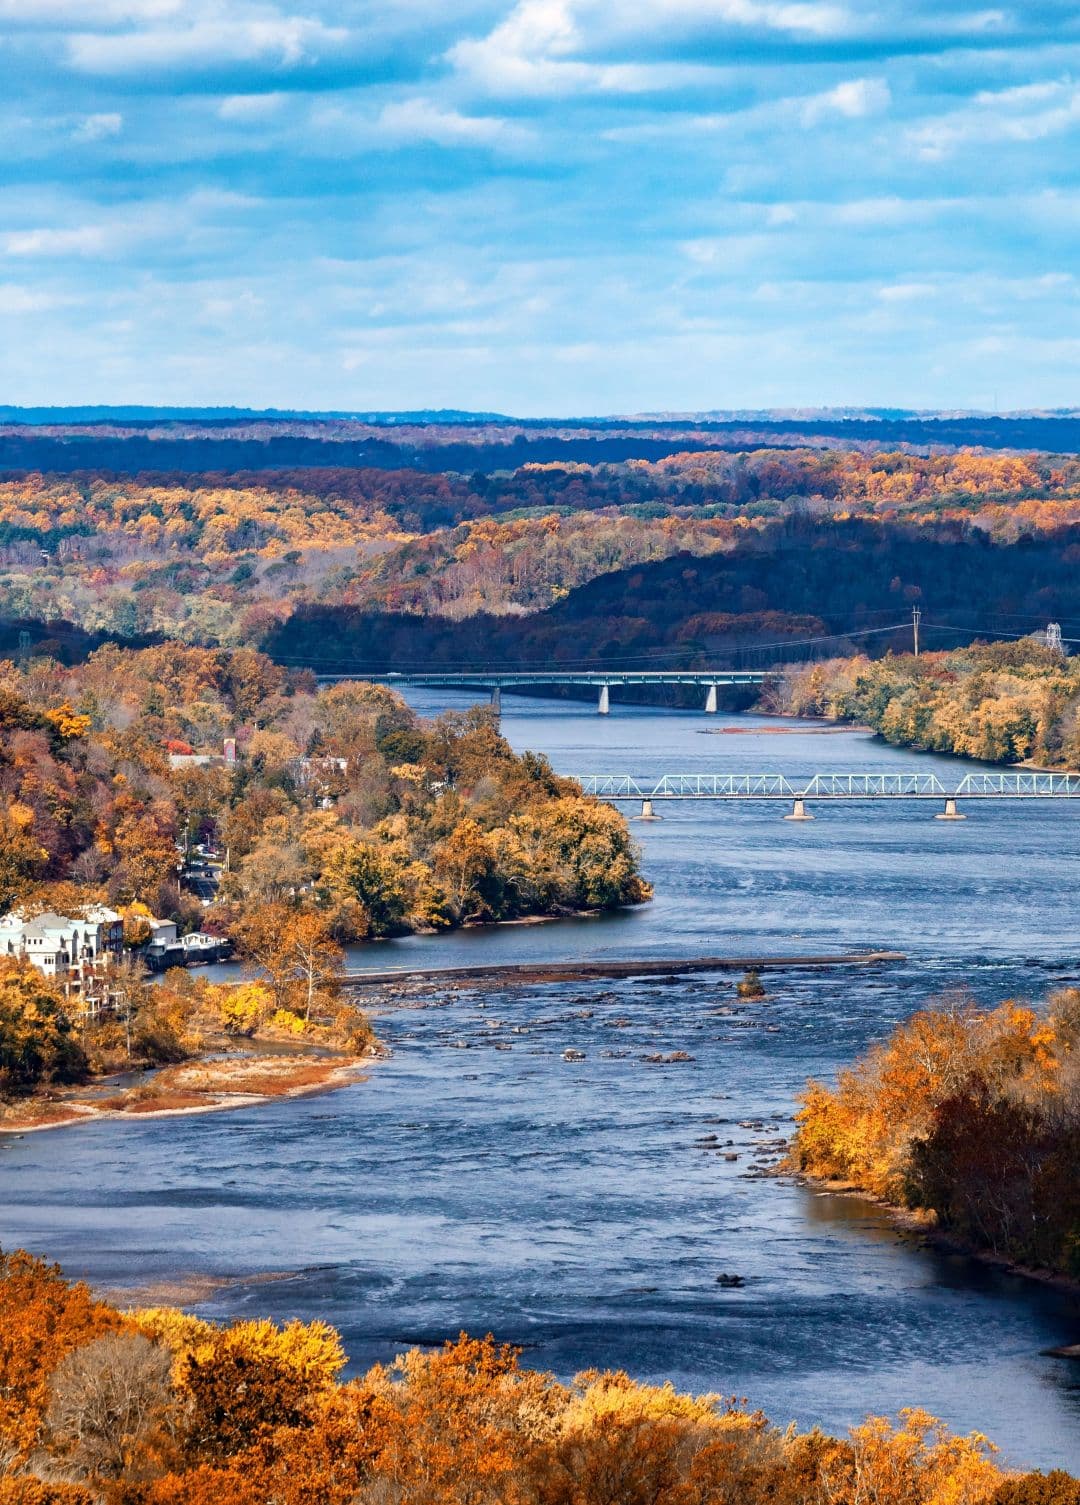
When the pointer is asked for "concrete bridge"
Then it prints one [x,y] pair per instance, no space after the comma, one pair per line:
[830,788]
[495,681]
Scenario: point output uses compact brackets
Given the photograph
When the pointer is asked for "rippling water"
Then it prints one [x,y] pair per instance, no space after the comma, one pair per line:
[583,1208]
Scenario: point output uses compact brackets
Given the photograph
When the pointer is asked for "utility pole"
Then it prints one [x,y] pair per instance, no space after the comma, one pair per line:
[916,618]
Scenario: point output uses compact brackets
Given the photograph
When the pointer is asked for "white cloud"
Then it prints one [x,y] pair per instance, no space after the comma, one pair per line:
[853,100]
[83,240]
[250,107]
[906,292]
[99,127]
[819,18]
[532,52]
[283,41]
[422,120]
[1025,114]
[38,14]
[887,211]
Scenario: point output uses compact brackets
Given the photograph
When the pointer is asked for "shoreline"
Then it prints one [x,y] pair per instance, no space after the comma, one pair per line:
[922,1224]
[829,724]
[220,1090]
[212,1084]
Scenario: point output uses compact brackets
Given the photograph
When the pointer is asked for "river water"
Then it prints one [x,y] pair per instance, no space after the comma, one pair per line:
[581,1208]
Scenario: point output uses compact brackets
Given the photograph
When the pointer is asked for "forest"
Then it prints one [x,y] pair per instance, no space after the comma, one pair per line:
[340,801]
[970,1117]
[100,1406]
[639,554]
[998,702]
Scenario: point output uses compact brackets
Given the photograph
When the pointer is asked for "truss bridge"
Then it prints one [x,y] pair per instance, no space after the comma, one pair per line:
[801,790]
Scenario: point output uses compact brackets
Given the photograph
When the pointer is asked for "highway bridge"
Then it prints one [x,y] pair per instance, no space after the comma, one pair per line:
[799,791]
[494,681]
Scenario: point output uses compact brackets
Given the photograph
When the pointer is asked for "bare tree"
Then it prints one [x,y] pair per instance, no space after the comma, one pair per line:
[108,1399]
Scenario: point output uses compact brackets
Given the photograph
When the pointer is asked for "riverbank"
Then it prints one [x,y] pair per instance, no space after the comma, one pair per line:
[923,1224]
[210,1084]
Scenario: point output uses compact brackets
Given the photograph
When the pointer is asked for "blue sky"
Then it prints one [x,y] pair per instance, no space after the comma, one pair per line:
[541,207]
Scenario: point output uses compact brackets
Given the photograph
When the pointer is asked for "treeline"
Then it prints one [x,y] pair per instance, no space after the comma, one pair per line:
[342,812]
[482,441]
[153,1407]
[972,1117]
[999,702]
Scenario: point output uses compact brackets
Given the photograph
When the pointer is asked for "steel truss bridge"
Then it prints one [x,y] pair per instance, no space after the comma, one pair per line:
[831,788]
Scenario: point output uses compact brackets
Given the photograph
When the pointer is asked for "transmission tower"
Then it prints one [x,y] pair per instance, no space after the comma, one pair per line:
[1053,638]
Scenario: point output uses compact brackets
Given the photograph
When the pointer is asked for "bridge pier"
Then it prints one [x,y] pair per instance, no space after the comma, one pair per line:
[496,699]
[710,701]
[799,810]
[647,811]
[950,812]
[603,707]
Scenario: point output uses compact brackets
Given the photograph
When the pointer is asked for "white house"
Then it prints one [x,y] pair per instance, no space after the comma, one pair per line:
[61,947]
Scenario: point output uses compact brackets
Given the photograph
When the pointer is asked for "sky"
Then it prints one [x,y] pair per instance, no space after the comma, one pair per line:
[545,207]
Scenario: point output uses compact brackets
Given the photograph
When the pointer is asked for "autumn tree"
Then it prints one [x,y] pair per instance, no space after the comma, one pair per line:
[37,1041]
[296,949]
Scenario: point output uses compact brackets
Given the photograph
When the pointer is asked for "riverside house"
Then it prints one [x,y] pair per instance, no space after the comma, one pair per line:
[75,952]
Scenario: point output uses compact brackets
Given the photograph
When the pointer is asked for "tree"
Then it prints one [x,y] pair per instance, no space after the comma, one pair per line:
[369,874]
[42,1318]
[296,949]
[111,1404]
[144,842]
[22,858]
[244,1381]
[37,1041]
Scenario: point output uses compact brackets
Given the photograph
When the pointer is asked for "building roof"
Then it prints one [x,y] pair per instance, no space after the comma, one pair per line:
[42,924]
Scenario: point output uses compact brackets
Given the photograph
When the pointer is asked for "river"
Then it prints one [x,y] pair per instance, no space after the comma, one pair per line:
[580,1208]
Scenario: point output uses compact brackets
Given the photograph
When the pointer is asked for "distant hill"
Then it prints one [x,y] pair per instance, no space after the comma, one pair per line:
[222,440]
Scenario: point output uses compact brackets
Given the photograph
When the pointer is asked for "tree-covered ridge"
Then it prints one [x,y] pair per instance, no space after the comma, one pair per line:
[1000,702]
[971,1116]
[224,558]
[154,1407]
[342,810]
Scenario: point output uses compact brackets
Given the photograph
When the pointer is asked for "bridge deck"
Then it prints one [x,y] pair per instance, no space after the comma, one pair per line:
[505,678]
[1010,785]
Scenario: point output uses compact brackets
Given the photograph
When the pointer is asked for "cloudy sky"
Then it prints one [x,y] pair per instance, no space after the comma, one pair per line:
[541,207]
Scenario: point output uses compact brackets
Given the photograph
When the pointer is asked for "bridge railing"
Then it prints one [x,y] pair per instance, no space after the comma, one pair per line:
[613,786]
[873,786]
[1021,784]
[723,786]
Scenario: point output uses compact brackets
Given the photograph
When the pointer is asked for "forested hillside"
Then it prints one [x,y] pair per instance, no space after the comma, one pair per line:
[1001,702]
[343,814]
[694,553]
